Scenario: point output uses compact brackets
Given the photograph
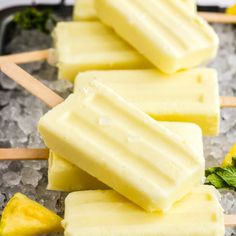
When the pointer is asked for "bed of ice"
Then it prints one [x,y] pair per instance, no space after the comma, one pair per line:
[20,112]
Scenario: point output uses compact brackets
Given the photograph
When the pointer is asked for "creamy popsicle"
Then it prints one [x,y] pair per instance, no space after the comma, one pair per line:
[105,212]
[64,176]
[187,96]
[81,46]
[191,4]
[166,32]
[85,9]
[121,146]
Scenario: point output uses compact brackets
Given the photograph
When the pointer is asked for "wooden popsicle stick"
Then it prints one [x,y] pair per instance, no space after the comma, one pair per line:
[230,220]
[23,154]
[227,102]
[26,57]
[31,84]
[215,17]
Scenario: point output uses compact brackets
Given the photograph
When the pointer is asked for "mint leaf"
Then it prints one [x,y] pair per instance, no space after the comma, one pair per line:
[210,170]
[31,18]
[215,180]
[234,161]
[228,174]
[222,177]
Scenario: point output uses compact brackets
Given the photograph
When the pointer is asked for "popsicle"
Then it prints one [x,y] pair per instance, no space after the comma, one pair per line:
[114,141]
[191,4]
[105,212]
[187,96]
[81,46]
[85,9]
[121,146]
[174,39]
[64,176]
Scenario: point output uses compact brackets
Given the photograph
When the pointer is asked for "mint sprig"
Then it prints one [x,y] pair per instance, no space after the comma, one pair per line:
[31,18]
[222,177]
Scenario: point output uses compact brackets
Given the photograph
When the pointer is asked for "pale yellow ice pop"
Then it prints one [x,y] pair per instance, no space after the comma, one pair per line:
[166,32]
[112,140]
[82,46]
[64,176]
[191,4]
[105,213]
[187,96]
[85,9]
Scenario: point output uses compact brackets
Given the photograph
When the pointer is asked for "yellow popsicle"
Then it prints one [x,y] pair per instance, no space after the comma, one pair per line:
[64,176]
[84,10]
[82,46]
[166,32]
[187,96]
[106,213]
[112,140]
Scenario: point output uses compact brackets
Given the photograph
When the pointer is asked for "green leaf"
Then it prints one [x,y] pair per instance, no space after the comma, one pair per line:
[228,174]
[234,161]
[210,170]
[31,18]
[215,180]
[222,177]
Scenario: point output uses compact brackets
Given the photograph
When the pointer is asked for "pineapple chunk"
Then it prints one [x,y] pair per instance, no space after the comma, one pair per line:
[24,217]
[229,157]
[231,10]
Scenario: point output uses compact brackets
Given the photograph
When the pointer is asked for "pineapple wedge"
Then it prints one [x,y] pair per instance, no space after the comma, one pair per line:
[229,157]
[24,217]
[231,10]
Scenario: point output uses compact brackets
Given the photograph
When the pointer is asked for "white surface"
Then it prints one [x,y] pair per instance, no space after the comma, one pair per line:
[11,3]
[46,1]
[70,2]
[221,3]
[67,2]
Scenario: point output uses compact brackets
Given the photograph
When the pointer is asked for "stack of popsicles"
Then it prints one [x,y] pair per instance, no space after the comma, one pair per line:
[101,138]
[104,136]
